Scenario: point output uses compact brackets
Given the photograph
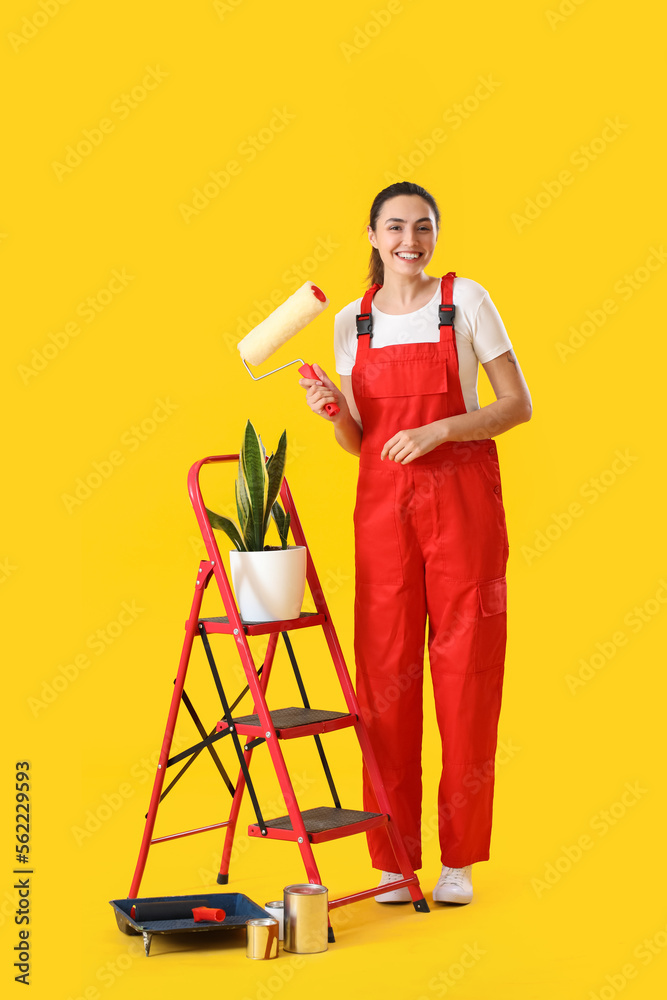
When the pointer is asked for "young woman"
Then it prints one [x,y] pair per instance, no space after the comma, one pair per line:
[430,535]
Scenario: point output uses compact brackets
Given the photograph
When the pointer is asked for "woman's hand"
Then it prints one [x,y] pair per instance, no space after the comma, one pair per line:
[405,446]
[322,391]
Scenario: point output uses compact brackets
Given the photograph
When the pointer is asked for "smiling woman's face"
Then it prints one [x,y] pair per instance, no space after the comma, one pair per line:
[405,234]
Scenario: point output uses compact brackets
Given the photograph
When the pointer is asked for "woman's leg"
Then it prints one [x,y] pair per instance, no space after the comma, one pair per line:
[390,626]
[466,555]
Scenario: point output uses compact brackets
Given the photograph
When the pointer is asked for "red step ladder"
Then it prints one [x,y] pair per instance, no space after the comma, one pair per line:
[312,826]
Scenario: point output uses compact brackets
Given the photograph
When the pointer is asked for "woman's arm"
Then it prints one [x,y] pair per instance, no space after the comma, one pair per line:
[347,423]
[512,406]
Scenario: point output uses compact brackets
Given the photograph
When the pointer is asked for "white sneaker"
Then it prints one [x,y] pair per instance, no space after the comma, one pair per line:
[454,885]
[394,895]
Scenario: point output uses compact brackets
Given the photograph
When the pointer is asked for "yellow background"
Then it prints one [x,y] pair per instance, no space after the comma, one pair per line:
[356,101]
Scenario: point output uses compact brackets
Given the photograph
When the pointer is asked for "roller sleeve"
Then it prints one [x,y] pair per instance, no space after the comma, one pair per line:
[166,909]
[288,319]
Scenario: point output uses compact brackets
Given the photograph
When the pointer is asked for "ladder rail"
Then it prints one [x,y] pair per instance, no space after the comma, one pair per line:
[203,576]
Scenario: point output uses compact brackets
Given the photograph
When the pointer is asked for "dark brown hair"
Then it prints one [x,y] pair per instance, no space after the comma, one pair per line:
[376,267]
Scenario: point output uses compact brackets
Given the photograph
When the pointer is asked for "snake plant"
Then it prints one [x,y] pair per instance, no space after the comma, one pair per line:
[257,486]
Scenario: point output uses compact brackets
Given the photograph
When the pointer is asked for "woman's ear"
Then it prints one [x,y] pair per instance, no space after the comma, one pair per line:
[371,235]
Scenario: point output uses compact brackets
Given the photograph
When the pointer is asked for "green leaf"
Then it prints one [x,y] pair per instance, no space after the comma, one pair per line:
[249,533]
[275,468]
[282,522]
[266,477]
[262,448]
[242,501]
[228,526]
[288,518]
[278,515]
[256,483]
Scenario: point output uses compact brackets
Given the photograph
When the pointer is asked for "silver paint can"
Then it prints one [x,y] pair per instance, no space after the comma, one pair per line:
[306,918]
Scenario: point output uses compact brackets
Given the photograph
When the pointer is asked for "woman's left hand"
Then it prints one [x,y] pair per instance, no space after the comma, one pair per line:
[405,446]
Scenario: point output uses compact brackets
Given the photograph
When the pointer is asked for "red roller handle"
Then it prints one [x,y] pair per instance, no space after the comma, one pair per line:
[306,371]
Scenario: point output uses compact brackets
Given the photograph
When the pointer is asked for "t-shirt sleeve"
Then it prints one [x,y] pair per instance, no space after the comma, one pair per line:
[344,344]
[489,336]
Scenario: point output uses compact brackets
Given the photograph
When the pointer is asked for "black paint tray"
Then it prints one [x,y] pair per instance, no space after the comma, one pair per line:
[238,909]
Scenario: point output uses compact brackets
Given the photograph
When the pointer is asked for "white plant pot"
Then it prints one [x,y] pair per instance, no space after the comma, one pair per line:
[269,586]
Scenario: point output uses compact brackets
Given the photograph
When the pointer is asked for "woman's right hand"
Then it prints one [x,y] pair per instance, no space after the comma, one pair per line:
[322,391]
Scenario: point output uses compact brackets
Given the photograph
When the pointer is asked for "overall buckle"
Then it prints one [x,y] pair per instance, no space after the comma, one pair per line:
[364,324]
[447,315]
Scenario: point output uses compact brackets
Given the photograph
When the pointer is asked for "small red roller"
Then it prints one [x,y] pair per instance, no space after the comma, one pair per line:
[207,913]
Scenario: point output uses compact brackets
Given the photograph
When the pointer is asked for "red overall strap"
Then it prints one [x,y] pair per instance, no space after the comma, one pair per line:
[447,303]
[447,311]
[365,320]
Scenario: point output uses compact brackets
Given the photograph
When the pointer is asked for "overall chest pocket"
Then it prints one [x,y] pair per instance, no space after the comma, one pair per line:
[419,377]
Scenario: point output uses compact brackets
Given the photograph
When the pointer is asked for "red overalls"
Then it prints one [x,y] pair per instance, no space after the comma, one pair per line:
[430,541]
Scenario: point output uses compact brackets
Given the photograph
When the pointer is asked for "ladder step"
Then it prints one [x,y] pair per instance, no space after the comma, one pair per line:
[305,620]
[322,823]
[292,723]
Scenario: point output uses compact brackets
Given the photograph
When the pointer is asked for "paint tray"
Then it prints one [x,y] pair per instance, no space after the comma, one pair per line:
[238,909]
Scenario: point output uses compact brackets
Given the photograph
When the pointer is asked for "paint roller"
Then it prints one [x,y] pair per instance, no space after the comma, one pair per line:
[288,319]
[176,909]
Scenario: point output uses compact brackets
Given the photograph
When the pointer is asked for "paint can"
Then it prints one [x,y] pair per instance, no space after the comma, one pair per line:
[262,941]
[277,910]
[306,919]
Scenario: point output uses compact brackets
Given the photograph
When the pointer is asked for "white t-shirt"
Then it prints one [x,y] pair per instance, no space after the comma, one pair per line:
[480,333]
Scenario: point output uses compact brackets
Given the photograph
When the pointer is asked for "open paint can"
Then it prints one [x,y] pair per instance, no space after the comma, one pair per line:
[262,941]
[306,919]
